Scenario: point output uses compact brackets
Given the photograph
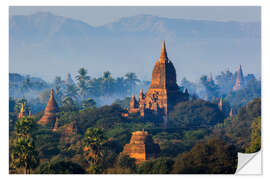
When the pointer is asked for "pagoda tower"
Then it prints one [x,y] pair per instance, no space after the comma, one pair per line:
[239,83]
[163,93]
[50,111]
[210,79]
[69,79]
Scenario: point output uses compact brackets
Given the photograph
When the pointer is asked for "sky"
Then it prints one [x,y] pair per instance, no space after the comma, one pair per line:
[95,15]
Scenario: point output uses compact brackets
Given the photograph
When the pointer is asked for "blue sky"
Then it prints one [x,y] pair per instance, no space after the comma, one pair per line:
[96,16]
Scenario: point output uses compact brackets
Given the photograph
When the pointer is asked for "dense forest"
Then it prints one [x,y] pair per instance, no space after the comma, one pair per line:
[199,138]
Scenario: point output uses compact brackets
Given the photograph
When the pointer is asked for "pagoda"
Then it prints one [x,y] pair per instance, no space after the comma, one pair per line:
[239,83]
[50,111]
[163,93]
[141,147]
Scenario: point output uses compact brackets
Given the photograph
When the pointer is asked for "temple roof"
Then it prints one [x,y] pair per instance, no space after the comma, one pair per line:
[52,105]
[164,74]
[163,54]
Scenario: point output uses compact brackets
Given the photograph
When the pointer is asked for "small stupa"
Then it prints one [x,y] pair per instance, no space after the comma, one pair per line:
[141,146]
[239,83]
[210,79]
[69,79]
[50,111]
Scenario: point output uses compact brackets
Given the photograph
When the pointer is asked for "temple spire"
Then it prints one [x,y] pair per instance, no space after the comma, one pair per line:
[210,78]
[239,79]
[163,54]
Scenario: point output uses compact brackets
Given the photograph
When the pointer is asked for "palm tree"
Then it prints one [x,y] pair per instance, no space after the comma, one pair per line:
[59,87]
[23,154]
[83,79]
[72,92]
[131,79]
[94,140]
[107,82]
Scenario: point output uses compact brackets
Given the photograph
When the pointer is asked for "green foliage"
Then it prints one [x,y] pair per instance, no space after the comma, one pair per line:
[24,126]
[255,144]
[123,165]
[212,157]
[210,87]
[124,161]
[83,79]
[47,142]
[104,117]
[88,103]
[195,114]
[93,143]
[60,167]
[23,154]
[157,166]
[238,128]
[123,103]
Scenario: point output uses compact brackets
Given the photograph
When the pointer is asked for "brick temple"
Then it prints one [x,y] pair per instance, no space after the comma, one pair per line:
[163,93]
[141,147]
[51,109]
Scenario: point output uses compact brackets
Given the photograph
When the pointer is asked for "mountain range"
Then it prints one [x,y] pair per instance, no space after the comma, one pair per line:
[46,45]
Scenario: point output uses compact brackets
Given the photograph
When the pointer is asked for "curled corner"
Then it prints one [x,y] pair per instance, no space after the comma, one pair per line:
[249,163]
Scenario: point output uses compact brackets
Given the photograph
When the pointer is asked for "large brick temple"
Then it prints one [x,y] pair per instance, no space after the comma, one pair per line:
[163,93]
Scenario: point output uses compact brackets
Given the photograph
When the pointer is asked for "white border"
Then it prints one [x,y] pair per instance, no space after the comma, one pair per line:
[4,72]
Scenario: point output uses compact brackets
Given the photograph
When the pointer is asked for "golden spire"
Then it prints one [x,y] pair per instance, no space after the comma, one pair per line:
[163,54]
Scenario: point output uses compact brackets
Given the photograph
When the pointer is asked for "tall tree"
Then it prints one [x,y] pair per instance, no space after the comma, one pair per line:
[131,79]
[107,82]
[23,153]
[72,92]
[255,144]
[93,142]
[83,79]
[59,87]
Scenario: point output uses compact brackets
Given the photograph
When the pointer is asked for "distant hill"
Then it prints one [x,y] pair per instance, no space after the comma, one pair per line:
[25,85]
[47,45]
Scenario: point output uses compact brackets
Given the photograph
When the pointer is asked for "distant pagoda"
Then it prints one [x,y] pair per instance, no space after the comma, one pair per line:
[210,79]
[239,83]
[141,147]
[69,79]
[163,93]
[50,111]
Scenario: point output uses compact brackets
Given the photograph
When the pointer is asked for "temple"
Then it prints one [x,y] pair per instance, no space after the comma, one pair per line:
[163,93]
[141,147]
[68,79]
[239,83]
[50,112]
